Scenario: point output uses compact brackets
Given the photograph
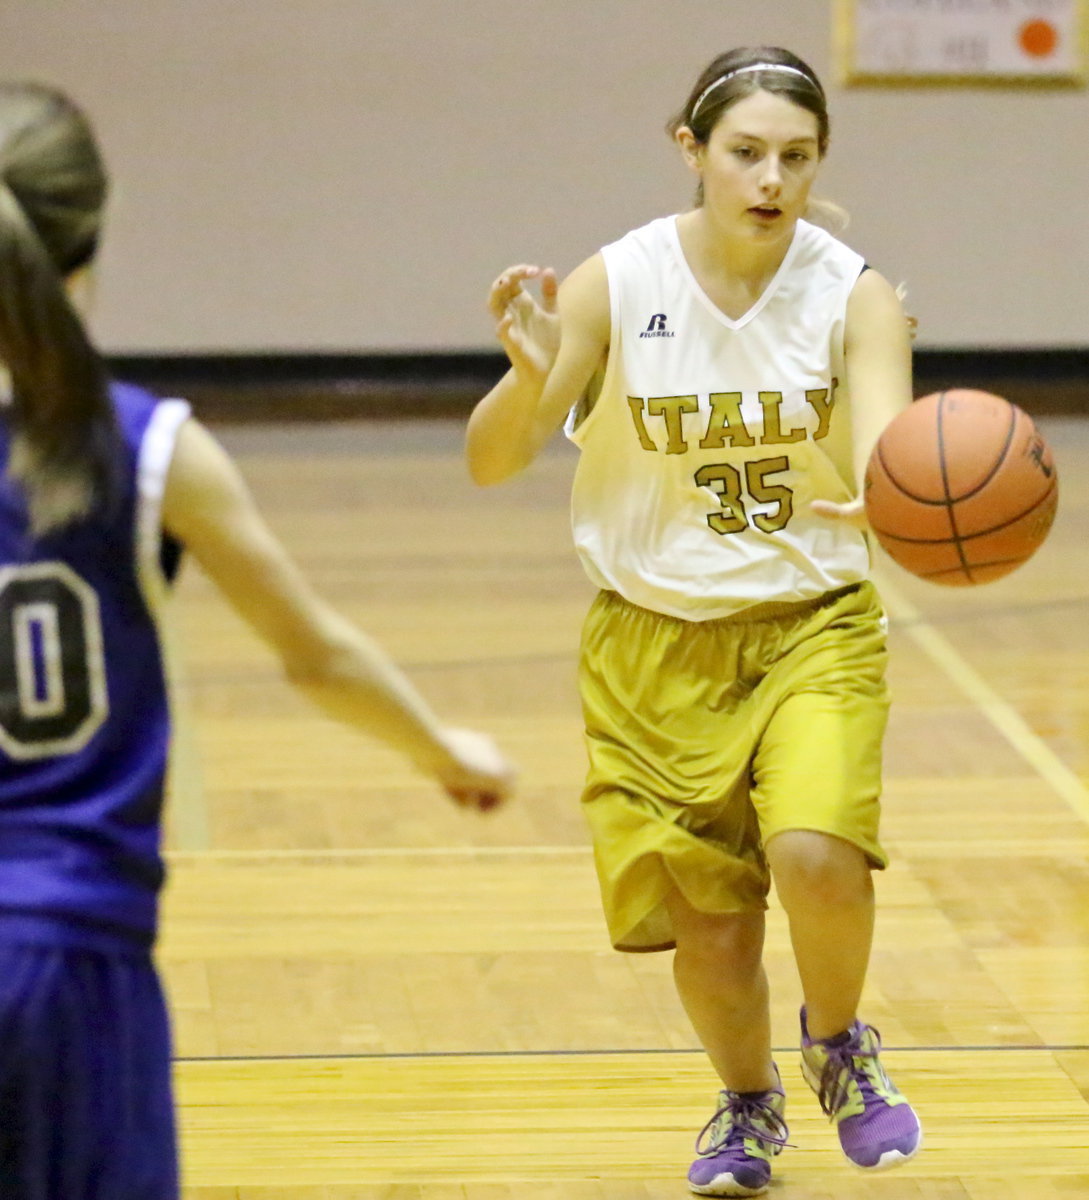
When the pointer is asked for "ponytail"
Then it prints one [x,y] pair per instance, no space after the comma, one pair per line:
[828,215]
[62,432]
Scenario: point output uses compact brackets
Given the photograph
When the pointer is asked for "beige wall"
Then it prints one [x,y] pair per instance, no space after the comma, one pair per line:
[350,174]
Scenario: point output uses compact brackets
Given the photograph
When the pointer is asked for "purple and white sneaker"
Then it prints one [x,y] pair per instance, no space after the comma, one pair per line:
[877,1127]
[737,1144]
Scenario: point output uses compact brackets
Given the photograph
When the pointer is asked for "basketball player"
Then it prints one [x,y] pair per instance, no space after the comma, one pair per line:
[725,373]
[103,487]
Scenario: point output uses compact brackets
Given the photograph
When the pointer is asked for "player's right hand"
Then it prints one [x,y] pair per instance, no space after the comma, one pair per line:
[476,773]
[528,328]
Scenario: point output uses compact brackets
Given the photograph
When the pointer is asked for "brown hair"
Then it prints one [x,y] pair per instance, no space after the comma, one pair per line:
[731,77]
[63,435]
[739,73]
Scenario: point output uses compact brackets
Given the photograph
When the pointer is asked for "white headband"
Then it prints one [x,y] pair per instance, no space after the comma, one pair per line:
[743,70]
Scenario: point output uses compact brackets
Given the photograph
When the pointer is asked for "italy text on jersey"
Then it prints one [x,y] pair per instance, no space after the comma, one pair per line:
[725,425]
[748,492]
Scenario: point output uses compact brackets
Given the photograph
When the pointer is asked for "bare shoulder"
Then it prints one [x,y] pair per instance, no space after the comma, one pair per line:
[195,445]
[874,309]
[872,291]
[584,296]
[203,485]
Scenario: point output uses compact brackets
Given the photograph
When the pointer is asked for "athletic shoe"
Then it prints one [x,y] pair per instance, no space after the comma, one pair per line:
[877,1127]
[737,1144]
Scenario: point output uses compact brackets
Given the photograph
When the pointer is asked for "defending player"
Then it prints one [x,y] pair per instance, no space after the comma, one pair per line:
[725,373]
[95,472]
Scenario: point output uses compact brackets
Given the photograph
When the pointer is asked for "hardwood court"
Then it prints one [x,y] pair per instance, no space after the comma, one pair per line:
[378,997]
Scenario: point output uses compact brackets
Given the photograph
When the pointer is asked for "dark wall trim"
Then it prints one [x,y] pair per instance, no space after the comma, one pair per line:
[1042,381]
[286,386]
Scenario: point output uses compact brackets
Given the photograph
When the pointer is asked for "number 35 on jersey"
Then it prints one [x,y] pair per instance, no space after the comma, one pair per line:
[727,426]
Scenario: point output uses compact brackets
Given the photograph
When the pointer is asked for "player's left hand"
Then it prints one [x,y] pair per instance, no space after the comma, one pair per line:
[853,512]
[476,773]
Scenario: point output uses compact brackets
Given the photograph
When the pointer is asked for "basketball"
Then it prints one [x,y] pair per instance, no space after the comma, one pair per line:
[961,487]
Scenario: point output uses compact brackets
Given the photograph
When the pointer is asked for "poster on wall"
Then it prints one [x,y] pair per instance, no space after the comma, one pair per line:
[980,42]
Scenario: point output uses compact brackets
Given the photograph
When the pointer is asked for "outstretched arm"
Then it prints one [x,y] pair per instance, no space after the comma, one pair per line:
[208,507]
[877,350]
[554,345]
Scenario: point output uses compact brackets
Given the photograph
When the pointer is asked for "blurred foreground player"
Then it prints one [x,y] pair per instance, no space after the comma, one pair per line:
[103,486]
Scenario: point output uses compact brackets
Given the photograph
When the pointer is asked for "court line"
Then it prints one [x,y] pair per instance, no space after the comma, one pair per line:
[993,846]
[606,1052]
[183,855]
[265,674]
[1002,715]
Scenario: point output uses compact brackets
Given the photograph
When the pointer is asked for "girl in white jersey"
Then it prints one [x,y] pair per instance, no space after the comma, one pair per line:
[725,373]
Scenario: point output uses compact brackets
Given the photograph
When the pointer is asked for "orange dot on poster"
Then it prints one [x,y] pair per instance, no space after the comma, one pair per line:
[1038,38]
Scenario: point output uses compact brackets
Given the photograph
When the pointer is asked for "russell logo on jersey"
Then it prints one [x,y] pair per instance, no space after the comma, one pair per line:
[657,327]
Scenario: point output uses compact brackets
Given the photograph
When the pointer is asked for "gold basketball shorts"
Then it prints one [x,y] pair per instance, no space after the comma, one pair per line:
[706,739]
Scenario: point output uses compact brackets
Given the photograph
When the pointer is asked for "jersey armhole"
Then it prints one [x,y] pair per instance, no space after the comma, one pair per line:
[586,405]
[153,463]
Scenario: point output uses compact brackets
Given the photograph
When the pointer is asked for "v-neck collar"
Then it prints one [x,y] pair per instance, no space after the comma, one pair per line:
[709,304]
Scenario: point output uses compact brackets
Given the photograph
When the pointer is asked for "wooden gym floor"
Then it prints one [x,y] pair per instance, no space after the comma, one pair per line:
[378,997]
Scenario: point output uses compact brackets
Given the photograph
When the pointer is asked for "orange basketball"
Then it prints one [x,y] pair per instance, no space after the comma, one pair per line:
[961,487]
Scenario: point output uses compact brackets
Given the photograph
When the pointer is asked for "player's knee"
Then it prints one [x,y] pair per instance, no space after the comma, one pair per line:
[815,869]
[728,947]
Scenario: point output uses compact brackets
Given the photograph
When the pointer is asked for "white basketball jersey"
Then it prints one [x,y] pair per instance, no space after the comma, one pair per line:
[710,436]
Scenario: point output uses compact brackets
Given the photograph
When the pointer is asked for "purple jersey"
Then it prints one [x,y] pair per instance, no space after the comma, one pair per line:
[84,712]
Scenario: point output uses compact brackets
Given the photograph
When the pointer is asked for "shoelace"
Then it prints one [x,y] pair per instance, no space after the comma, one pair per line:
[839,1068]
[743,1113]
